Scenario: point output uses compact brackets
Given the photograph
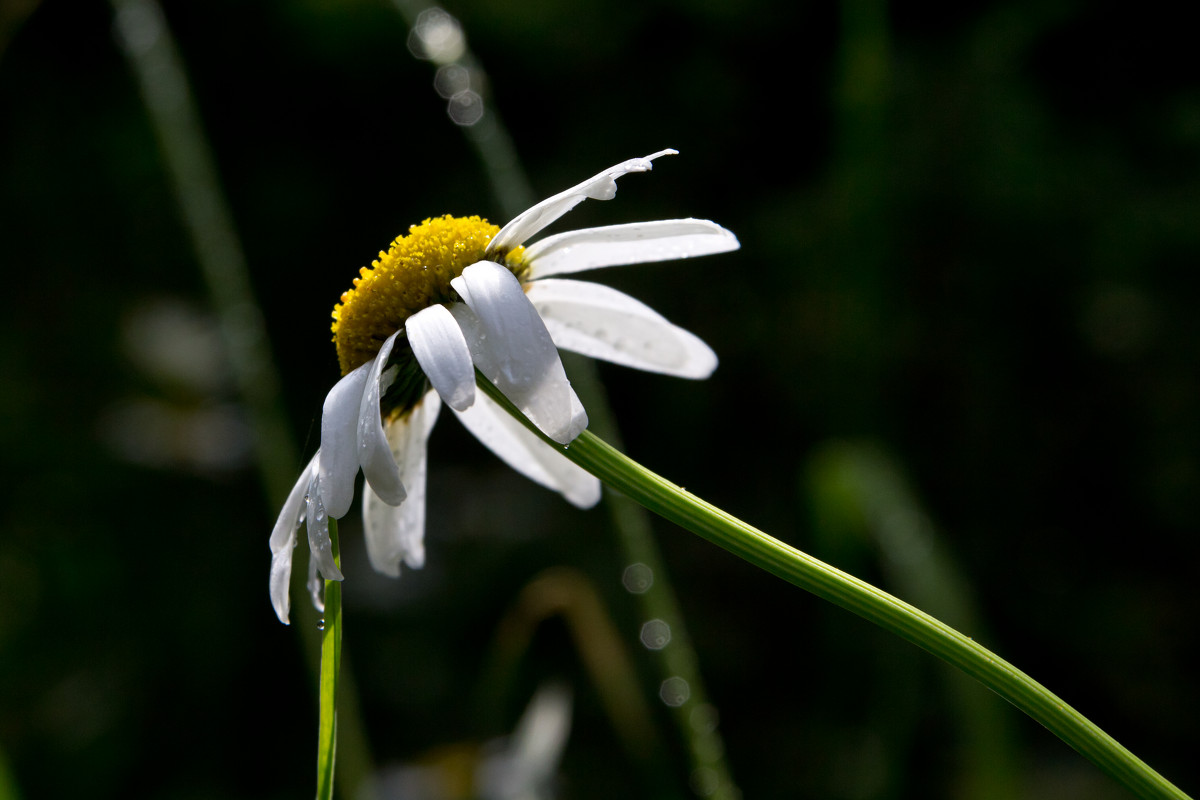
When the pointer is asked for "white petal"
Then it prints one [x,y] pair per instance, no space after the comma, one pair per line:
[397,533]
[636,243]
[535,748]
[281,576]
[603,323]
[316,587]
[510,345]
[527,454]
[598,187]
[283,541]
[378,466]
[339,440]
[441,350]
[317,522]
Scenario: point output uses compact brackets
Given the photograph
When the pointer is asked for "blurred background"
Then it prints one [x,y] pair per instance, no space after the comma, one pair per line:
[958,349]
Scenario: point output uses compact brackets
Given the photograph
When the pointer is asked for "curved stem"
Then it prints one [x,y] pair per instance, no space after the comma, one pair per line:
[747,542]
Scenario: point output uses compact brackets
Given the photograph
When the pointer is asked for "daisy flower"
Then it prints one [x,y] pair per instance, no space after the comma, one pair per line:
[454,295]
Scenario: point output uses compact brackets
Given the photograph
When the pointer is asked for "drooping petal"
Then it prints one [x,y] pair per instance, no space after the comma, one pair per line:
[598,187]
[527,454]
[603,323]
[442,352]
[636,243]
[283,541]
[509,344]
[339,440]
[397,533]
[378,466]
[317,521]
[281,576]
[316,587]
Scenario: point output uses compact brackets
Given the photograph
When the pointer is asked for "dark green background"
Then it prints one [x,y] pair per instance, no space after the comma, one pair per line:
[969,237]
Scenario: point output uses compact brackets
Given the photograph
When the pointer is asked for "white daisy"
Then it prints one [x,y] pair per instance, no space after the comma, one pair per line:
[454,295]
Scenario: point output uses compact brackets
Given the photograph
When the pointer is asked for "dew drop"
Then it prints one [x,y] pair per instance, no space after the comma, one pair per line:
[674,691]
[655,634]
[637,578]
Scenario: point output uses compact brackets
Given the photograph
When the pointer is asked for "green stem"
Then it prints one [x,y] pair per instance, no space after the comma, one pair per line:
[331,662]
[709,522]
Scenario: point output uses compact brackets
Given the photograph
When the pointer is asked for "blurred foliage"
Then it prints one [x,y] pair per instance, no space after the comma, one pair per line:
[969,236]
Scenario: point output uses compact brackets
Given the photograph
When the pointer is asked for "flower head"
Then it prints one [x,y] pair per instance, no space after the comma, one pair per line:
[454,295]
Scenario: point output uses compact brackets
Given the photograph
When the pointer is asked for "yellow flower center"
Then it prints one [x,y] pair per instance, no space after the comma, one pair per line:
[412,275]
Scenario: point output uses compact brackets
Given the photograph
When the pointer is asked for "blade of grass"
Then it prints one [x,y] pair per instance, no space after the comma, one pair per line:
[145,38]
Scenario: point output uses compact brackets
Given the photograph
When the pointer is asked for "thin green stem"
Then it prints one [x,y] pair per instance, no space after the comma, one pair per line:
[331,662]
[709,522]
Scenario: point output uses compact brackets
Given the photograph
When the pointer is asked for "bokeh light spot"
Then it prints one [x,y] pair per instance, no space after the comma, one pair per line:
[465,108]
[637,578]
[675,691]
[656,634]
[437,37]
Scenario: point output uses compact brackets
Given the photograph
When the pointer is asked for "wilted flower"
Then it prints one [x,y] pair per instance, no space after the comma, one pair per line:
[454,295]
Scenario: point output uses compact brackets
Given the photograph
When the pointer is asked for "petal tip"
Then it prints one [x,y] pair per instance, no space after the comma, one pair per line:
[586,496]
[329,570]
